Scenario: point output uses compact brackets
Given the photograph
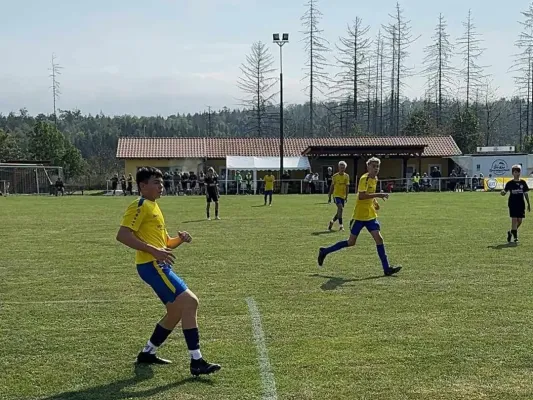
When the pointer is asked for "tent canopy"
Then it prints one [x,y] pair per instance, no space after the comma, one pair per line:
[266,163]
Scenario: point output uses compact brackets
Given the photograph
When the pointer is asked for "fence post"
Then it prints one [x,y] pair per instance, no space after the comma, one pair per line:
[37,180]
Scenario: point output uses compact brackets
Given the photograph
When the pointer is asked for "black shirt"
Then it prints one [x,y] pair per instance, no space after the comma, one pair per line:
[211,181]
[516,191]
[329,178]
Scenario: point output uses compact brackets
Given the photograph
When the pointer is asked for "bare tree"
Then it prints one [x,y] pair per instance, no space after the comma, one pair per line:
[378,86]
[399,32]
[470,51]
[492,110]
[55,71]
[369,92]
[257,84]
[353,51]
[315,46]
[523,66]
[438,68]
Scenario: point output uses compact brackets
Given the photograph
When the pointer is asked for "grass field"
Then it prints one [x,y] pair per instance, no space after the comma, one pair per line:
[455,324]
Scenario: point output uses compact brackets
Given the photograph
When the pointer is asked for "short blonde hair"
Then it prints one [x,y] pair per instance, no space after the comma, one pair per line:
[373,160]
[343,163]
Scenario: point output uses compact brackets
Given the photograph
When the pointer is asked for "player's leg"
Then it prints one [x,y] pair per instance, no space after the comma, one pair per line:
[340,210]
[168,287]
[270,193]
[374,229]
[216,209]
[188,304]
[352,240]
[265,193]
[208,206]
[514,228]
[336,216]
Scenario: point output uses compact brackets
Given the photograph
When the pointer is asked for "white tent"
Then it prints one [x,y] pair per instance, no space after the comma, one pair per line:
[255,164]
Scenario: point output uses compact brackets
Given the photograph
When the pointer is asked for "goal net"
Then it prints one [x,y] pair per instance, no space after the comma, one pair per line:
[28,178]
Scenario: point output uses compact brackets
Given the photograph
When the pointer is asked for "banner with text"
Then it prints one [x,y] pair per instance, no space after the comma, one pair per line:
[492,184]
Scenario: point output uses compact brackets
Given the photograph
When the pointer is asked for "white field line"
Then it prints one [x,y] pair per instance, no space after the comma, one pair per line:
[267,377]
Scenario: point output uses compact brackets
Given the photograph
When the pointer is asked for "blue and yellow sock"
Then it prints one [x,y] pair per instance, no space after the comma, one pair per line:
[383,257]
[336,247]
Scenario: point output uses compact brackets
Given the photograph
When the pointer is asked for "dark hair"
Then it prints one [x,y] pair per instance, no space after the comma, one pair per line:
[145,173]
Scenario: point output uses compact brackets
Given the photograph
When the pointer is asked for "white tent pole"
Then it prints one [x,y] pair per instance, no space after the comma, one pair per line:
[227,173]
[255,181]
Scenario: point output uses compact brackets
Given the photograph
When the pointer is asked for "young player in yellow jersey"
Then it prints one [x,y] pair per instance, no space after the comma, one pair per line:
[365,216]
[339,189]
[269,187]
[143,229]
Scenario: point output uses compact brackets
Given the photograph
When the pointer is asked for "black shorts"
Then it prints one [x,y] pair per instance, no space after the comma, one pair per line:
[211,195]
[517,212]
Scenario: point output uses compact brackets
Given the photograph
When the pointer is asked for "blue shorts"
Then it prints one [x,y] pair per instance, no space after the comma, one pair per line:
[165,283]
[268,192]
[339,201]
[357,226]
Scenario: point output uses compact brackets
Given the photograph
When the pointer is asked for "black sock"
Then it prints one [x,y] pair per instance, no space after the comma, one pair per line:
[157,339]
[335,218]
[207,213]
[340,221]
[216,212]
[192,338]
[515,233]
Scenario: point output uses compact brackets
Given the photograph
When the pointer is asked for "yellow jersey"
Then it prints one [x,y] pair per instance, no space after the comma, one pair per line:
[340,184]
[269,182]
[364,209]
[145,219]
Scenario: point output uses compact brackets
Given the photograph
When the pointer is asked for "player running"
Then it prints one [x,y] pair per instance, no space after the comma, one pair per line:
[211,193]
[339,189]
[517,208]
[143,229]
[365,216]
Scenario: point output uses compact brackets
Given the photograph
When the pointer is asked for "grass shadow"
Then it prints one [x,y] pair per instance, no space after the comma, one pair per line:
[118,390]
[195,221]
[334,282]
[319,233]
[502,246]
[262,205]
[323,203]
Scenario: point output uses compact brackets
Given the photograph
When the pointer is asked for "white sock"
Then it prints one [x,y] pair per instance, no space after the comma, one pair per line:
[195,354]
[150,348]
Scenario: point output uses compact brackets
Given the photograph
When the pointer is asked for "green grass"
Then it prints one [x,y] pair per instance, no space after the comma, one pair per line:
[455,324]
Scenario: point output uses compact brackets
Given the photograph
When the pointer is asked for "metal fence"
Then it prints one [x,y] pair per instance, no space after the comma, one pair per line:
[28,178]
[300,186]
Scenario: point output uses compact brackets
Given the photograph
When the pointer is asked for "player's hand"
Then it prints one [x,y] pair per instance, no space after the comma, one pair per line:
[384,196]
[502,192]
[528,208]
[163,255]
[185,236]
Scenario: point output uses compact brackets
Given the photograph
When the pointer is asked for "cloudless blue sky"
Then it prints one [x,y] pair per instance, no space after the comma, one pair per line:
[167,56]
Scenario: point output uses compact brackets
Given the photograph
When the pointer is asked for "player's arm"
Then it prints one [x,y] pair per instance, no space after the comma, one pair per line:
[526,196]
[347,190]
[174,242]
[331,187]
[131,222]
[505,189]
[362,191]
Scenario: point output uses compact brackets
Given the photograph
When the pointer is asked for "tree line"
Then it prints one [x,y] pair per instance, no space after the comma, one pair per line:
[363,96]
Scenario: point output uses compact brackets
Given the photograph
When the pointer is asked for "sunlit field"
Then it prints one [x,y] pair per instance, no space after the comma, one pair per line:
[456,323]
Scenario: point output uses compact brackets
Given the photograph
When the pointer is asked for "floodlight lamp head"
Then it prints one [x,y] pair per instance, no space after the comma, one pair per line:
[276,37]
[285,37]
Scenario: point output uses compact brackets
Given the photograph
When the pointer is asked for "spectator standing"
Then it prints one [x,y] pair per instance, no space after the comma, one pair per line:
[129,189]
[123,184]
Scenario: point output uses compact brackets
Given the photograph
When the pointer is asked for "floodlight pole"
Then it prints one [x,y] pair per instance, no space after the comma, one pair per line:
[280,43]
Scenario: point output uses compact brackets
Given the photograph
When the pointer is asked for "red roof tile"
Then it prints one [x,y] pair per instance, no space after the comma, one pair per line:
[176,147]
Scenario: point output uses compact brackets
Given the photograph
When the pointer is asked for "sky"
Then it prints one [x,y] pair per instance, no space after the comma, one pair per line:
[161,57]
